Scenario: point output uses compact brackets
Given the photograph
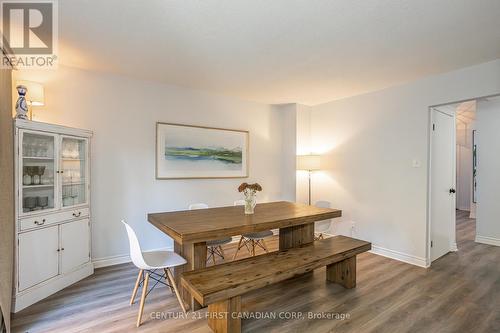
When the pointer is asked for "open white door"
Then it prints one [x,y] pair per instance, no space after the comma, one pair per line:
[443,179]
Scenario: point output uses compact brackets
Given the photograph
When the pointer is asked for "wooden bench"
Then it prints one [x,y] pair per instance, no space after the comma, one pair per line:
[221,286]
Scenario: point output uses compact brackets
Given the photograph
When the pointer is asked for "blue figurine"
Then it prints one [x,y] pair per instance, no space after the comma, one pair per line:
[21,105]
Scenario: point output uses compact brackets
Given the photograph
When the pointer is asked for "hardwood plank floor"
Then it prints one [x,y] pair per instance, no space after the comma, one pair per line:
[459,293]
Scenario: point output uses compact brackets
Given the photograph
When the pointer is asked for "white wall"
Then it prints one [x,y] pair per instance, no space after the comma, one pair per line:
[488,172]
[464,166]
[370,141]
[122,112]
[288,113]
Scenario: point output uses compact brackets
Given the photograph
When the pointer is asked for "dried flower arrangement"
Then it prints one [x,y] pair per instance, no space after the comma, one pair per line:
[250,192]
[251,187]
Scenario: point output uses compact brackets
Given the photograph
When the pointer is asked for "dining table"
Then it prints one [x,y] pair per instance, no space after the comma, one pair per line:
[191,229]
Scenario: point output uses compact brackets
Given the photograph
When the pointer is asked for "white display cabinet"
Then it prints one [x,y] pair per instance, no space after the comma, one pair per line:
[53,221]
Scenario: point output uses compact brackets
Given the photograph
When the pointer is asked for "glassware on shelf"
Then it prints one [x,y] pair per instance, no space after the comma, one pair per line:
[31,172]
[41,171]
[74,193]
[43,202]
[66,196]
[26,176]
[30,203]
[47,179]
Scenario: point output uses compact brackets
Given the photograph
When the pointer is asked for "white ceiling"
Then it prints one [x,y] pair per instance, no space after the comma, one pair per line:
[279,51]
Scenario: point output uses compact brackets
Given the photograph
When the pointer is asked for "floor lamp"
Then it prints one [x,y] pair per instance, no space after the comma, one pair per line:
[309,163]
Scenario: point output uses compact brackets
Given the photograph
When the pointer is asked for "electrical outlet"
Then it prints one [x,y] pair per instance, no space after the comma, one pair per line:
[353,228]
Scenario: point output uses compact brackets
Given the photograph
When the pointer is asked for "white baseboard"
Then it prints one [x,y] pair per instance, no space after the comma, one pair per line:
[487,240]
[120,259]
[407,258]
[125,258]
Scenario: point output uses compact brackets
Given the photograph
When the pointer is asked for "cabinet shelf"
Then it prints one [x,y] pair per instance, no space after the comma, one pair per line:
[38,158]
[37,186]
[74,183]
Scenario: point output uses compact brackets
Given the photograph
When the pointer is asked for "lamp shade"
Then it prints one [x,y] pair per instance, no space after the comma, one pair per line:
[309,162]
[35,95]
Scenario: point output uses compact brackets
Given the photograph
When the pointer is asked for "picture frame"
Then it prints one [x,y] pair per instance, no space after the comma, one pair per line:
[185,151]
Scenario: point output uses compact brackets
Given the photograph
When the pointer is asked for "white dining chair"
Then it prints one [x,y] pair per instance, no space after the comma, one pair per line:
[252,239]
[321,228]
[214,247]
[148,263]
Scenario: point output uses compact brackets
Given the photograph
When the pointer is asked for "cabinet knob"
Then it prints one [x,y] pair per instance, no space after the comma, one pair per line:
[58,250]
[62,249]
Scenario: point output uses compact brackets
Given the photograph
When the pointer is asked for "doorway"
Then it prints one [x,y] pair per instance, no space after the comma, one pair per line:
[454,171]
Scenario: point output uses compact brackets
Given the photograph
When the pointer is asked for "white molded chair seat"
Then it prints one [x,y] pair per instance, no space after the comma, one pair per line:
[214,247]
[148,263]
[259,234]
[219,242]
[162,259]
[252,240]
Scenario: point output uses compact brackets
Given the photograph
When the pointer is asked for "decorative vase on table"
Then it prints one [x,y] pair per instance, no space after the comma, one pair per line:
[250,192]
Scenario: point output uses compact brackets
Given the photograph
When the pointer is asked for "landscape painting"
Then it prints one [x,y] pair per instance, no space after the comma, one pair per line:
[188,151]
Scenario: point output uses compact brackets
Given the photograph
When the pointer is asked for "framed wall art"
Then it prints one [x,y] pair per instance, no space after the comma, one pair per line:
[188,151]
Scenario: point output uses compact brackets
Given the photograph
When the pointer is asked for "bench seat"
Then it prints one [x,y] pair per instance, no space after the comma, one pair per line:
[221,286]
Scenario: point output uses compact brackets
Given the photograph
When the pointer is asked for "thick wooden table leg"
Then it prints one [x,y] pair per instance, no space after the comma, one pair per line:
[196,256]
[225,316]
[296,236]
[343,272]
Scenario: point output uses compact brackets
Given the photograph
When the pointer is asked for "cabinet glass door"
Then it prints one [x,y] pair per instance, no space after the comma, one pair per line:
[73,171]
[37,170]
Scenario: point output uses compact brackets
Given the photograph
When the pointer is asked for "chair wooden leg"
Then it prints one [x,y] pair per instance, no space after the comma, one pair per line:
[238,248]
[253,248]
[136,287]
[143,299]
[172,281]
[264,245]
[212,250]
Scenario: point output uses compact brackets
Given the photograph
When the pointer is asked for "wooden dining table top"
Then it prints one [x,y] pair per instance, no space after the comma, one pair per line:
[201,225]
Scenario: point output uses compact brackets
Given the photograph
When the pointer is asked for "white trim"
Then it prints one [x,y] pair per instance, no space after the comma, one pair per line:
[488,240]
[125,258]
[52,128]
[400,256]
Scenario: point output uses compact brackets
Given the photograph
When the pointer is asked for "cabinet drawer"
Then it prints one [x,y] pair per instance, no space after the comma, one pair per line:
[43,220]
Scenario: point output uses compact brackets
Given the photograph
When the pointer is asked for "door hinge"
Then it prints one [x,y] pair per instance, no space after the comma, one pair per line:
[432,243]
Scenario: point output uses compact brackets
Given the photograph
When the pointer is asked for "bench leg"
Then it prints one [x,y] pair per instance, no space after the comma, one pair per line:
[224,316]
[343,272]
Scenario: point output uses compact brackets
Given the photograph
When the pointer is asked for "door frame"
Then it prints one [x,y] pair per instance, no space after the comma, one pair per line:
[453,239]
[429,167]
